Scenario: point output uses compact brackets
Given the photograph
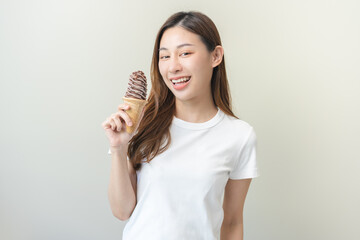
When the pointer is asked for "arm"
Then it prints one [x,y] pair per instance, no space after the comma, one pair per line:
[122,186]
[234,199]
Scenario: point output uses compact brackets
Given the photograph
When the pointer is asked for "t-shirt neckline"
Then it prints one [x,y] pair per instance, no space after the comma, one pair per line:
[197,126]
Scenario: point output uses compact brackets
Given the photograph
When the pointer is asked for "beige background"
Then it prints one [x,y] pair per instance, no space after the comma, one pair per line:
[293,68]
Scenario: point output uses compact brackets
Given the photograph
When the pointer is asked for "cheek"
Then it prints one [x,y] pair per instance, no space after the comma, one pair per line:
[161,68]
[162,71]
[203,68]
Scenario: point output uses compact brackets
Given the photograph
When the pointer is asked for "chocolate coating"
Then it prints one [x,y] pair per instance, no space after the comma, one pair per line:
[137,86]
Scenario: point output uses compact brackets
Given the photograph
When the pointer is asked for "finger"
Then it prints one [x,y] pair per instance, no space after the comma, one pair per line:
[124,106]
[106,124]
[125,116]
[113,125]
[117,122]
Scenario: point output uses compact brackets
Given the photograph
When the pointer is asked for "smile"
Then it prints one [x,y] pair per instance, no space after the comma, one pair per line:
[181,83]
[180,80]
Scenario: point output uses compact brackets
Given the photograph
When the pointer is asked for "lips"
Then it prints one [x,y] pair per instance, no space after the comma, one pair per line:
[181,85]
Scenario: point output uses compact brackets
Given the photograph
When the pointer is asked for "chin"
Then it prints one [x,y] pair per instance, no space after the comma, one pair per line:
[183,98]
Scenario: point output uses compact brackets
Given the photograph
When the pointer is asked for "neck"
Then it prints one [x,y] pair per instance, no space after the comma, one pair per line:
[196,112]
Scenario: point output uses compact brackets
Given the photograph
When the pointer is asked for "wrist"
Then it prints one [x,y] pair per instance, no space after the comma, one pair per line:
[117,149]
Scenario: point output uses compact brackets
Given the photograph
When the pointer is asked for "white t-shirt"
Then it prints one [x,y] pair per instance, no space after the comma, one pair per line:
[180,192]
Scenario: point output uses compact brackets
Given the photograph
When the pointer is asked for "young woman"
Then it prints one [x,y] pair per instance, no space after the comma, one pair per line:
[185,172]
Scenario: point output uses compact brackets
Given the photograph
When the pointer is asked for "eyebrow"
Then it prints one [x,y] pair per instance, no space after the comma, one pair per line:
[180,46]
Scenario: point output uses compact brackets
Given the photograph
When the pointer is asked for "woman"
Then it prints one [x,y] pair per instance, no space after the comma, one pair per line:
[186,171]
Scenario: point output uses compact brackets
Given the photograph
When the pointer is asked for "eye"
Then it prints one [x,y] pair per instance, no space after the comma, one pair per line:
[186,53]
[162,57]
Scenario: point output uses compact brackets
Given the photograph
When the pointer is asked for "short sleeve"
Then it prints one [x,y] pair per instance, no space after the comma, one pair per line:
[245,163]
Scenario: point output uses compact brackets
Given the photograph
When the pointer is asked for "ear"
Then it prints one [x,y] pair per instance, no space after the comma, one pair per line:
[217,55]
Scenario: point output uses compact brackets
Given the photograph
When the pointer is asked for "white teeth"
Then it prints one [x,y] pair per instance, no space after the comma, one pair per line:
[180,80]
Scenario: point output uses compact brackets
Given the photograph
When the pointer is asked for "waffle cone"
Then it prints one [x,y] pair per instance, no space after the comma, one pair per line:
[136,108]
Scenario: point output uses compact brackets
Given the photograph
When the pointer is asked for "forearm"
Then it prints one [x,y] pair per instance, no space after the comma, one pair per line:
[232,231]
[121,193]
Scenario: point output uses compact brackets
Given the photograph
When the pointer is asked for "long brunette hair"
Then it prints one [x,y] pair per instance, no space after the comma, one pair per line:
[153,133]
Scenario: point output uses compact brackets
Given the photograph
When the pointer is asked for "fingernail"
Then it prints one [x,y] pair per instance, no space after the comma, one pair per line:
[130,123]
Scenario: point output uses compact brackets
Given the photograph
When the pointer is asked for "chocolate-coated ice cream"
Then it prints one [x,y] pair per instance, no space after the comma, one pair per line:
[137,86]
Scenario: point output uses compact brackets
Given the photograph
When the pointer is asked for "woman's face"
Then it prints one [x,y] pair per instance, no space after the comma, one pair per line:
[183,56]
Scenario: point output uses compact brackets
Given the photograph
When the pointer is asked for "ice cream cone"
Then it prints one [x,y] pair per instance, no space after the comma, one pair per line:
[136,108]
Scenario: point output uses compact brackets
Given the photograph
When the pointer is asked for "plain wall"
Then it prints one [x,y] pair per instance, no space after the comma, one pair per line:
[293,69]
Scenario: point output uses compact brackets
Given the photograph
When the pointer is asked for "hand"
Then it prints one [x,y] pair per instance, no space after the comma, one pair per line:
[115,128]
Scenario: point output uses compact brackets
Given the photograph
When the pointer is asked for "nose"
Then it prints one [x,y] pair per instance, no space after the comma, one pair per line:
[175,65]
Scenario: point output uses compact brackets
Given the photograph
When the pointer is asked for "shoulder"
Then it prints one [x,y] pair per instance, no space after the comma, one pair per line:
[235,133]
[238,127]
